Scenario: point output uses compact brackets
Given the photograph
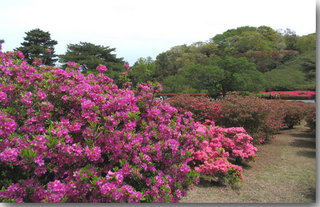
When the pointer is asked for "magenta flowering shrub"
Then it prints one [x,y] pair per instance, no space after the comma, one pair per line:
[219,145]
[66,137]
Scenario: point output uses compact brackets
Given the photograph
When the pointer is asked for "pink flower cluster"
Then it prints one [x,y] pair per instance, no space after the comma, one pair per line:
[221,144]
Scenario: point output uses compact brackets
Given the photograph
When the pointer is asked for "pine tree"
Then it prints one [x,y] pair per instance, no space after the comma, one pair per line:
[38,44]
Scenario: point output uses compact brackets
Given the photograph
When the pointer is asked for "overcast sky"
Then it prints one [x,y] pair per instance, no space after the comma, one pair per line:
[141,28]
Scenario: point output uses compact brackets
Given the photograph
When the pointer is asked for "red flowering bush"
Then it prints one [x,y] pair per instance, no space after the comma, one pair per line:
[289,94]
[66,137]
[255,115]
[201,107]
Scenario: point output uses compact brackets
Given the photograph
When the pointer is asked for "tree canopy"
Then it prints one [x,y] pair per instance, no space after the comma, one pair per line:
[89,56]
[38,44]
[142,71]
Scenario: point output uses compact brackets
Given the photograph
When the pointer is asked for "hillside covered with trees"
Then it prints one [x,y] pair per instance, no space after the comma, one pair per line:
[242,59]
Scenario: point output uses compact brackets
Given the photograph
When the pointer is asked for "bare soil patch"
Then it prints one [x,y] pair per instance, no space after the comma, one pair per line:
[284,172]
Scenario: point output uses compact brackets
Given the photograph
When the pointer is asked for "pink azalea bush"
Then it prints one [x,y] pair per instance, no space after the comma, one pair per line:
[66,137]
[220,145]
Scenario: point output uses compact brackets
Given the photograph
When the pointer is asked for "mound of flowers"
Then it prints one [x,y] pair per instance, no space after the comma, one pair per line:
[66,137]
[219,145]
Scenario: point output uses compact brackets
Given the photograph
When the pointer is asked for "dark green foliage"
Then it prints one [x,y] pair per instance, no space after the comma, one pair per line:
[306,43]
[36,45]
[175,84]
[208,77]
[311,118]
[239,75]
[290,39]
[142,71]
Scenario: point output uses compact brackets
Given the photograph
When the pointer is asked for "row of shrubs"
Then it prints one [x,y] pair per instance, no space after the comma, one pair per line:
[66,137]
[261,118]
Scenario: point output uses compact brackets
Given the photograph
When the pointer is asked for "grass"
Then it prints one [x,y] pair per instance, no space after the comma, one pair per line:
[285,172]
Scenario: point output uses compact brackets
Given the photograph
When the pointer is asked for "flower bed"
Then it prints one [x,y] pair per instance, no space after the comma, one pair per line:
[289,95]
[256,115]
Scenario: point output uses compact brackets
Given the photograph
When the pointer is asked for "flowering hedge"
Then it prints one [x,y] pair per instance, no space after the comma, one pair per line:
[261,118]
[66,137]
[289,94]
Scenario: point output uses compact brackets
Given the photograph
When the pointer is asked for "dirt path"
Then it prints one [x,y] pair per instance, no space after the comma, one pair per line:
[285,172]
